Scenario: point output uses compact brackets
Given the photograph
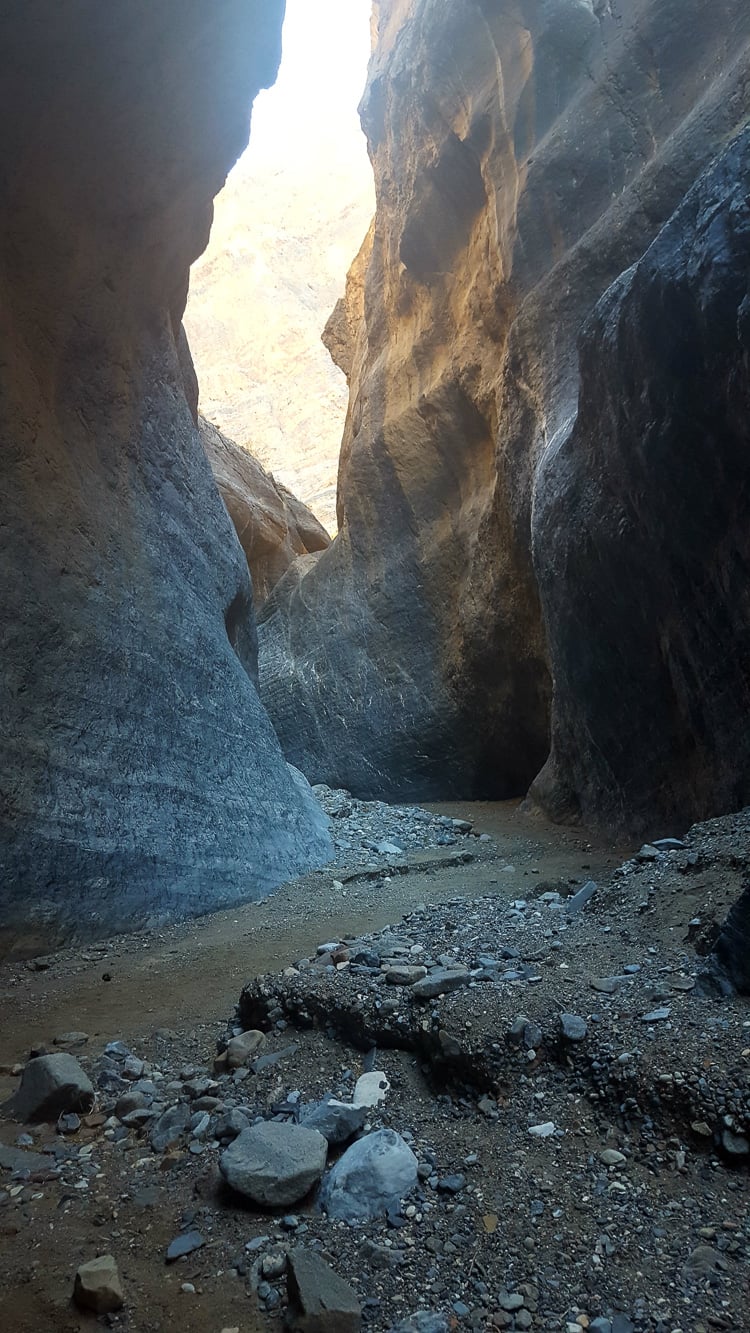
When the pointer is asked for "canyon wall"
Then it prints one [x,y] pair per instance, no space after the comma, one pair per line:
[273,526]
[507,570]
[139,774]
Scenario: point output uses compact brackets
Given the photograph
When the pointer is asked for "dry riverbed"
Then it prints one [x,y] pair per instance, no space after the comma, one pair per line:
[622,1212]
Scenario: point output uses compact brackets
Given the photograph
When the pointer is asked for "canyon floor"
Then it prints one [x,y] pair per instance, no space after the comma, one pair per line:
[572,1173]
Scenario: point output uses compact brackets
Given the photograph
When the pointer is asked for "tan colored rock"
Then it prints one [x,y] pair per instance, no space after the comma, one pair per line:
[241,1050]
[98,1287]
[273,526]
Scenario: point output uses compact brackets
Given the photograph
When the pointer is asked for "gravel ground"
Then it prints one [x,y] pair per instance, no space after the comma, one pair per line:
[578,1108]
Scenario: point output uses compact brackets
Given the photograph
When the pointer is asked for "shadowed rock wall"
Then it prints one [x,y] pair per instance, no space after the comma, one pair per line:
[526,153]
[139,775]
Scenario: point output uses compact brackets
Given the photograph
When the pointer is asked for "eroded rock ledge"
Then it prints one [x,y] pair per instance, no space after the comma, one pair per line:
[139,775]
[493,539]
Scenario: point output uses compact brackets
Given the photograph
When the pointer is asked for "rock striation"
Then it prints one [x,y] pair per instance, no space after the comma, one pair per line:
[497,545]
[140,777]
[273,526]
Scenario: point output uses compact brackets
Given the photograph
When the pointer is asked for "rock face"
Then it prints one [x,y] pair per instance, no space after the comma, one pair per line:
[527,155]
[139,775]
[640,535]
[273,526]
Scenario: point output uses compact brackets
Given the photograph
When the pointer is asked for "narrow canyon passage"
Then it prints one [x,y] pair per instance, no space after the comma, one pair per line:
[374,666]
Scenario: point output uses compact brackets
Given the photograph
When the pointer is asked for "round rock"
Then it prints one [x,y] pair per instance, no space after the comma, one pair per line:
[371,1178]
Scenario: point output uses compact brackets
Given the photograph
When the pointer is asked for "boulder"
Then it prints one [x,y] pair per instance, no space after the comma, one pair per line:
[729,963]
[275,1164]
[370,1179]
[50,1086]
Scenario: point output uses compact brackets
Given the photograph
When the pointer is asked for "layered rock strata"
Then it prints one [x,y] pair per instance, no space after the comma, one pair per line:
[526,155]
[139,775]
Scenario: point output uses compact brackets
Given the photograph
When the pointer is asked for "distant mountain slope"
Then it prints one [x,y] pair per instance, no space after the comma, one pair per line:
[291,216]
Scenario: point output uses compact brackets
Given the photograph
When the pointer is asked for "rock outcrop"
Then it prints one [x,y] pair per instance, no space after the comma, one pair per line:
[526,155]
[273,526]
[139,774]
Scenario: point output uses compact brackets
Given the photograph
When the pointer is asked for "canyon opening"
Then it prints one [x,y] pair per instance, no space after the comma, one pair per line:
[374,746]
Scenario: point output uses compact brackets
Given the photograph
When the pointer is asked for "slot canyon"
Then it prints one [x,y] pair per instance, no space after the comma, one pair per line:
[375,675]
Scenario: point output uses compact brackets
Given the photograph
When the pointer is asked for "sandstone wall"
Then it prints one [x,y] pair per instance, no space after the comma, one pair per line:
[139,775]
[273,526]
[526,153]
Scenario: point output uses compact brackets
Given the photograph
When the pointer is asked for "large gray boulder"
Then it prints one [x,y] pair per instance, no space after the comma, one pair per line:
[370,1179]
[275,1164]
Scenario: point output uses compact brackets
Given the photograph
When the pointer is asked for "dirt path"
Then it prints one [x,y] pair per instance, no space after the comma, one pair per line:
[191,974]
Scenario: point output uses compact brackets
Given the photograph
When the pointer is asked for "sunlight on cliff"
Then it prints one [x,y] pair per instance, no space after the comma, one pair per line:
[288,224]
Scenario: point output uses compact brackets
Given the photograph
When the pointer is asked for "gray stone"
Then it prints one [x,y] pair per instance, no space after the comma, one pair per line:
[228,1124]
[405,974]
[129,1102]
[371,1178]
[611,1157]
[422,1322]
[573,1027]
[336,1121]
[581,898]
[170,1126]
[656,1015]
[51,1085]
[439,982]
[19,1159]
[275,1164]
[704,1261]
[185,1243]
[97,1286]
[319,1300]
[735,1145]
[242,1049]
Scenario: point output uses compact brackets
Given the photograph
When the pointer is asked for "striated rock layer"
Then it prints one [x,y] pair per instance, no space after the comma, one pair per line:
[526,155]
[139,774]
[273,526]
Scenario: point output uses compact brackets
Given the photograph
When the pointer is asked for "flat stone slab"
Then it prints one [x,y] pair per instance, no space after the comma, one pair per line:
[19,1159]
[319,1300]
[440,982]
